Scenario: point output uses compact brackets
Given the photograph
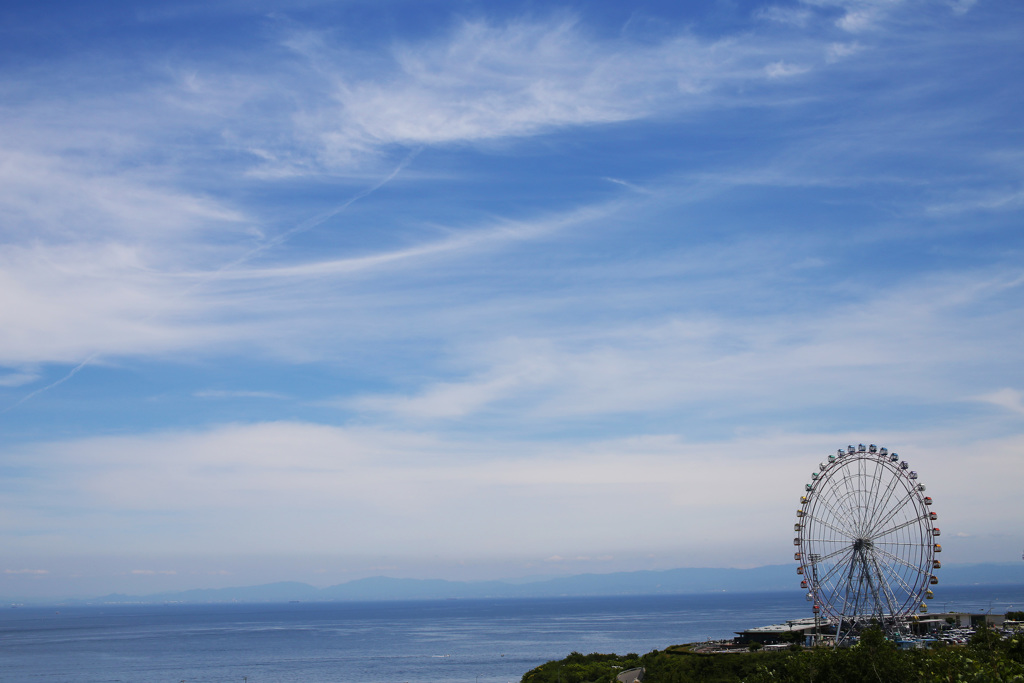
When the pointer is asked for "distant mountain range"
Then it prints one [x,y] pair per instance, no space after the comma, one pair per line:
[672,581]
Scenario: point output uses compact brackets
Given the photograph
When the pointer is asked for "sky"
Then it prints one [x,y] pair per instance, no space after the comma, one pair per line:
[318,291]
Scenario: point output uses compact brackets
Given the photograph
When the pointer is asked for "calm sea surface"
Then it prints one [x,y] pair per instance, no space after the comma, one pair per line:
[490,641]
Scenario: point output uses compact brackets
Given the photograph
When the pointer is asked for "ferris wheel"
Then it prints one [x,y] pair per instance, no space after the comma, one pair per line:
[866,540]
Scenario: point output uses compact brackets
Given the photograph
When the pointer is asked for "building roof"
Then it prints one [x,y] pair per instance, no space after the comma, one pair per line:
[791,625]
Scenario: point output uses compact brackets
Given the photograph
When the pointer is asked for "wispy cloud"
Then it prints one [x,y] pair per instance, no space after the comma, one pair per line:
[1006,398]
[796,16]
[221,393]
[120,303]
[838,51]
[17,379]
[626,183]
[990,201]
[453,496]
[452,243]
[497,269]
[702,359]
[142,242]
[46,196]
[487,81]
[962,6]
[858,16]
[784,70]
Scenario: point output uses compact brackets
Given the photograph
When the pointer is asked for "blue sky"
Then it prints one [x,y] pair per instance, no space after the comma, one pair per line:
[322,290]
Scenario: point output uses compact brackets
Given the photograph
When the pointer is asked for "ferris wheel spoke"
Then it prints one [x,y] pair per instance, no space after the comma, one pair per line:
[910,591]
[890,598]
[898,560]
[874,586]
[850,592]
[828,524]
[880,469]
[883,501]
[835,481]
[909,495]
[889,513]
[902,544]
[848,552]
[814,542]
[865,491]
[885,532]
[847,502]
[834,553]
[844,519]
[847,499]
[868,489]
[835,514]
[851,502]
[827,590]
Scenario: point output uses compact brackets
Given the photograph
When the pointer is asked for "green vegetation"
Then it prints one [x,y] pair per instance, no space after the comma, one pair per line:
[987,658]
[577,668]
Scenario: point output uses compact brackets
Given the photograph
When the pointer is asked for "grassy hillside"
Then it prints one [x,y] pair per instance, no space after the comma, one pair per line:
[988,658]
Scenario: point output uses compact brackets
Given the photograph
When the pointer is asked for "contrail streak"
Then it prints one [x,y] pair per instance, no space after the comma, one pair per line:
[65,378]
[317,220]
[269,244]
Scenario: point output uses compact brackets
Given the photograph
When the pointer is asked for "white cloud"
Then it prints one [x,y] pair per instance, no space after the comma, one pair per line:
[305,488]
[962,6]
[710,360]
[64,303]
[631,186]
[444,400]
[859,16]
[491,82]
[784,70]
[488,81]
[107,255]
[1007,398]
[452,243]
[291,486]
[974,201]
[93,257]
[795,16]
[224,393]
[532,325]
[858,20]
[17,379]
[44,196]
[837,51]
[71,301]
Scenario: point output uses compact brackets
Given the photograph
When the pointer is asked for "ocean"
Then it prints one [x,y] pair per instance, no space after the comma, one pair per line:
[486,641]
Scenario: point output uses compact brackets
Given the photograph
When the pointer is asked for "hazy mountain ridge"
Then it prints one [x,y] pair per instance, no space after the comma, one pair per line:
[645,582]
